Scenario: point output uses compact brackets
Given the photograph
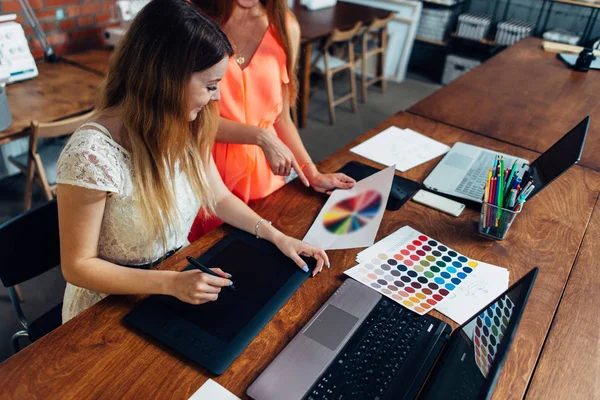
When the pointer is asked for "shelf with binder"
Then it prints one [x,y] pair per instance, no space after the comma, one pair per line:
[591,22]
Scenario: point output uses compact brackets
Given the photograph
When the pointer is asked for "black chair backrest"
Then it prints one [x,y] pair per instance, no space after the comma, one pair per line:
[29,244]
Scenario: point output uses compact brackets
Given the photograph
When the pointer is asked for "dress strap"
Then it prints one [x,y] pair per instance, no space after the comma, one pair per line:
[99,127]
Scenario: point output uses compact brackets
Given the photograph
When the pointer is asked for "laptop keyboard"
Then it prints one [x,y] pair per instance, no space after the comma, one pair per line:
[473,183]
[368,363]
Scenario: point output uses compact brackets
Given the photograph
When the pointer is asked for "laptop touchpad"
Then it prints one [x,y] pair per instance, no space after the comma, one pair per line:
[459,161]
[331,327]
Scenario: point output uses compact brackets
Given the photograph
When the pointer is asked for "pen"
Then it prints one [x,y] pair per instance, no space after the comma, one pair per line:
[207,271]
[509,183]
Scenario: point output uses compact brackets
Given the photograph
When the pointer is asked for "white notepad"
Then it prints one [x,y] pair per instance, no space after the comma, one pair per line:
[403,147]
[211,390]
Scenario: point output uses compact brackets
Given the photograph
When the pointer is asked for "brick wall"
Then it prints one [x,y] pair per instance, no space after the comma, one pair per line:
[70,25]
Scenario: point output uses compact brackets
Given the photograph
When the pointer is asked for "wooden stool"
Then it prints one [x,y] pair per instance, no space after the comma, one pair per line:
[377,30]
[328,65]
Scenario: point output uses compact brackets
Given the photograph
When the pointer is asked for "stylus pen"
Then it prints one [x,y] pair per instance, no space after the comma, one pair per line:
[207,271]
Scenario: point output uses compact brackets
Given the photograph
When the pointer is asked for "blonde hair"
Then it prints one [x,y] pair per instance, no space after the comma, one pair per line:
[147,80]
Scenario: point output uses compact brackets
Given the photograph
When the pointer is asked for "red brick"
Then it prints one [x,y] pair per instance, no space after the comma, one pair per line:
[108,6]
[28,30]
[11,7]
[67,24]
[38,54]
[72,11]
[85,20]
[86,33]
[102,18]
[48,27]
[55,3]
[56,39]
[46,15]
[89,8]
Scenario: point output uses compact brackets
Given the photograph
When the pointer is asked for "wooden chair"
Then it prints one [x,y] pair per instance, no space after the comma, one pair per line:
[374,43]
[39,163]
[328,65]
[34,229]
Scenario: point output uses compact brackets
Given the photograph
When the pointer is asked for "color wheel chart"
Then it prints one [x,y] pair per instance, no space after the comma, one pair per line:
[489,331]
[351,214]
[419,273]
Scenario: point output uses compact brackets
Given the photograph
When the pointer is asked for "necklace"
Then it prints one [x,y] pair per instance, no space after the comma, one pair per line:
[239,56]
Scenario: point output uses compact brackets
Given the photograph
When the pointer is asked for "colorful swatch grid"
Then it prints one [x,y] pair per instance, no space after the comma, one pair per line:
[353,213]
[418,275]
[489,331]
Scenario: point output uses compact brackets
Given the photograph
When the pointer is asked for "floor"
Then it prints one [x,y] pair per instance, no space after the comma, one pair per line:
[320,138]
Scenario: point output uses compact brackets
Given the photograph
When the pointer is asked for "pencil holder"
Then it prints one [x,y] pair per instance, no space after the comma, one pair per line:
[494,221]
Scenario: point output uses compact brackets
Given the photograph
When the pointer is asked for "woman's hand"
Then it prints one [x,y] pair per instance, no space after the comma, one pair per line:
[280,157]
[196,287]
[294,248]
[327,183]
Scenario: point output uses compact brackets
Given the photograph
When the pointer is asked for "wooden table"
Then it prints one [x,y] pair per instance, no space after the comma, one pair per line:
[96,356]
[59,91]
[569,367]
[92,60]
[316,25]
[524,96]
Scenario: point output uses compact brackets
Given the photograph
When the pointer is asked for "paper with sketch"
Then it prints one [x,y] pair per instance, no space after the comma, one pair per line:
[483,285]
[403,147]
[211,390]
[351,218]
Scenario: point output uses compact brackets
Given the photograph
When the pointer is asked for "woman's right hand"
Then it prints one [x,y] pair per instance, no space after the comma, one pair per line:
[280,157]
[196,287]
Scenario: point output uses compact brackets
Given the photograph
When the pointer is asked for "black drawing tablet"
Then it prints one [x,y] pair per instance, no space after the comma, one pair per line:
[215,333]
[402,189]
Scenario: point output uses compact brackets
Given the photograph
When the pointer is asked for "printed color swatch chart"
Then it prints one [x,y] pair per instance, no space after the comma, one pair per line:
[489,331]
[418,274]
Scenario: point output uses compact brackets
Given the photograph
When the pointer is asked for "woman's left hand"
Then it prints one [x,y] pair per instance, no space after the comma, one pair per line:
[294,248]
[327,183]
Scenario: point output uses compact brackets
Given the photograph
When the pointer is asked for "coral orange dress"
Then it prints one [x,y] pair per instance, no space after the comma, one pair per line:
[252,96]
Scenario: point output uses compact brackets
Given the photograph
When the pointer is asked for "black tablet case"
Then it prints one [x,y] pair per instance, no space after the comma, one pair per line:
[215,333]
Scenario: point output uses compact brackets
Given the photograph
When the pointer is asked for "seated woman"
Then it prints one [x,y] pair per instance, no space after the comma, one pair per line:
[132,179]
[257,141]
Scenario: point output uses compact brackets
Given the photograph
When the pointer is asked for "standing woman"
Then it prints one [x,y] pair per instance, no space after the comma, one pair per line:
[257,141]
[131,181]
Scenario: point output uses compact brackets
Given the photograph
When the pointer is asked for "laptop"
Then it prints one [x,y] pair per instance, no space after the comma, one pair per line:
[462,173]
[361,345]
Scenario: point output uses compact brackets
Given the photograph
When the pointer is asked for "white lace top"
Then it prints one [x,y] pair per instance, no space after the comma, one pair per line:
[93,160]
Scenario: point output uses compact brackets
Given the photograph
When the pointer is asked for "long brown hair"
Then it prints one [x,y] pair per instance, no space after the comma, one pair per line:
[148,80]
[277,14]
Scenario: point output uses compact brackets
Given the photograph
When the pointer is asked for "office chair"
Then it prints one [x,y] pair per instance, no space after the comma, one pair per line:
[39,162]
[29,245]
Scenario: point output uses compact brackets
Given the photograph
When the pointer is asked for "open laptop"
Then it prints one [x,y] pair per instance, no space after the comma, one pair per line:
[462,173]
[361,345]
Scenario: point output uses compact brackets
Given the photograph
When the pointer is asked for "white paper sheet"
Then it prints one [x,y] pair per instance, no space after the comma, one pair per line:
[403,147]
[351,218]
[211,390]
[482,286]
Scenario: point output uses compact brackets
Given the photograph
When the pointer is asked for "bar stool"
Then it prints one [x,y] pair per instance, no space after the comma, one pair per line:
[327,65]
[373,43]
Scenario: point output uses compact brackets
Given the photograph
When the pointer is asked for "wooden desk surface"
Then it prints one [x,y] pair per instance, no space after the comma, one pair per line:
[525,96]
[569,367]
[60,90]
[343,16]
[96,356]
[92,60]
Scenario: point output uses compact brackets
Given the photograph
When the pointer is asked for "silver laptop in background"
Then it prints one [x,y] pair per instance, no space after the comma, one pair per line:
[463,171]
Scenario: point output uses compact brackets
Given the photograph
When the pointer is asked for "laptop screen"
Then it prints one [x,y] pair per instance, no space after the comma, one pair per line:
[560,157]
[471,361]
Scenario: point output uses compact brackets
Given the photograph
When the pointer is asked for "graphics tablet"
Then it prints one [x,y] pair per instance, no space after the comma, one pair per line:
[402,188]
[215,333]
